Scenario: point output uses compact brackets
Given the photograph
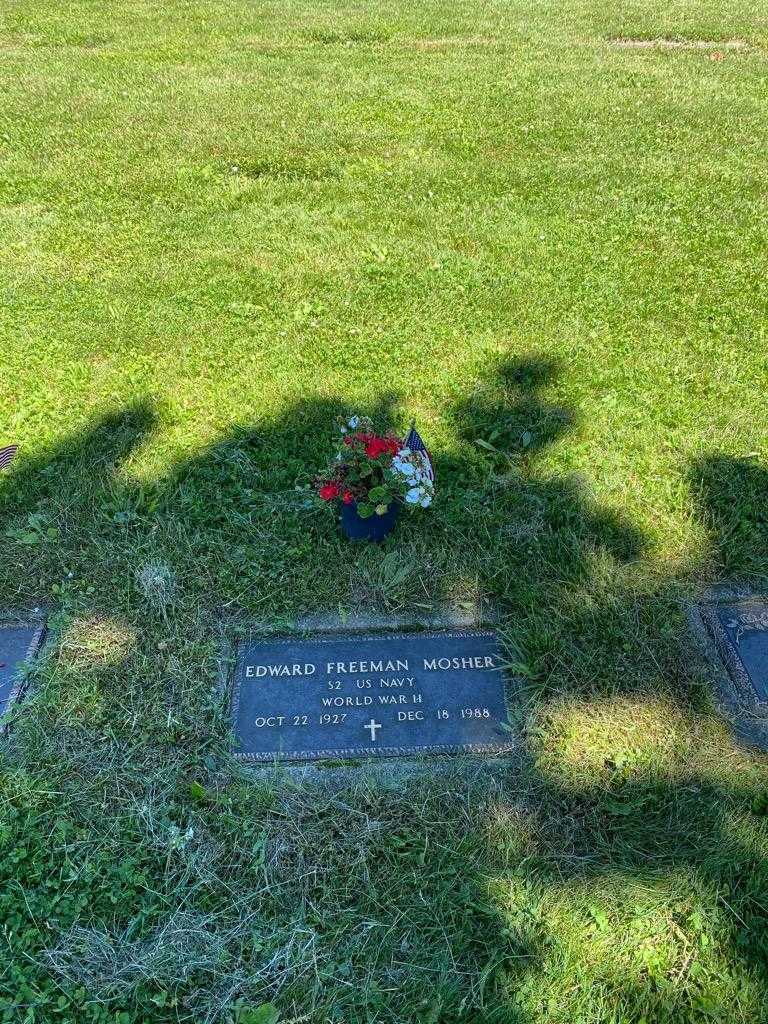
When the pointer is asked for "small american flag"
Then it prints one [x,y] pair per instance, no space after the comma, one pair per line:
[414,442]
[6,455]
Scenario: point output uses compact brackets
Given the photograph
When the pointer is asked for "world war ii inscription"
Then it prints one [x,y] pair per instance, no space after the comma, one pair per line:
[346,696]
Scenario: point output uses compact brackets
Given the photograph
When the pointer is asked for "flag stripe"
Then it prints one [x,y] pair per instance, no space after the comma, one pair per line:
[6,455]
[415,443]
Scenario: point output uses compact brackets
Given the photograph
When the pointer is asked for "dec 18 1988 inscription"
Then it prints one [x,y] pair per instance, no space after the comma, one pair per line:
[369,696]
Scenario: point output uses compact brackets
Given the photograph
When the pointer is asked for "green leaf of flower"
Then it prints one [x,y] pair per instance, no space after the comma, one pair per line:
[267,1013]
[364,510]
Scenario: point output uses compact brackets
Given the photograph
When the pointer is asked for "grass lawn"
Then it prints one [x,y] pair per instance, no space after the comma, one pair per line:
[220,225]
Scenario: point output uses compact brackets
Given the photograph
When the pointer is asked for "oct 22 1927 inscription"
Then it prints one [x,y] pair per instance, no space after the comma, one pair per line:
[346,696]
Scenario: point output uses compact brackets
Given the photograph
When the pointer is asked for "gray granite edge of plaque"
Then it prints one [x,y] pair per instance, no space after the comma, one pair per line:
[387,773]
[36,620]
[444,616]
[334,636]
[480,615]
[363,754]
[354,753]
[731,687]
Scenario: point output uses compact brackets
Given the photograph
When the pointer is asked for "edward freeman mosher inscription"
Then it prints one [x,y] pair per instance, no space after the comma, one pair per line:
[369,696]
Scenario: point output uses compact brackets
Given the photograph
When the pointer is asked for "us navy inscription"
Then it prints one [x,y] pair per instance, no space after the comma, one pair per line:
[369,696]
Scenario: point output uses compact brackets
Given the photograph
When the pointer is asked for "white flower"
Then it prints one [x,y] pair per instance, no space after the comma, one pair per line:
[353,422]
[413,468]
[405,468]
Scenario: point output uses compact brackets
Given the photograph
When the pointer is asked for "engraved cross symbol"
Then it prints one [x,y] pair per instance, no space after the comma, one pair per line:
[372,726]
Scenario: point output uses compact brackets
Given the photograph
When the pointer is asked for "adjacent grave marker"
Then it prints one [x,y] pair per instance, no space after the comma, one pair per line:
[740,629]
[19,641]
[345,696]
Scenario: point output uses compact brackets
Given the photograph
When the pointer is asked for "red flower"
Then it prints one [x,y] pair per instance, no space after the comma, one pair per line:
[377,446]
[357,437]
[347,497]
[329,491]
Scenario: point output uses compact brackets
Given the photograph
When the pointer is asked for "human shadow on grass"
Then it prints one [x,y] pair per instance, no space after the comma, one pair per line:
[583,634]
[586,635]
[235,531]
[236,527]
[537,538]
[69,517]
[731,497]
[232,528]
[648,817]
[56,506]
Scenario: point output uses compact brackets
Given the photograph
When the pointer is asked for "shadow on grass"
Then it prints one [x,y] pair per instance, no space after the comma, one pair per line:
[635,825]
[237,530]
[233,530]
[732,501]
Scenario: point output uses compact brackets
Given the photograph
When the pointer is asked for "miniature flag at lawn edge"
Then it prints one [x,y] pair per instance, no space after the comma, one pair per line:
[415,443]
[6,455]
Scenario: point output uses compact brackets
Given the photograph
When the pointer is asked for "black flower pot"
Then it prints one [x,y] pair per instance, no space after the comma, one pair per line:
[373,528]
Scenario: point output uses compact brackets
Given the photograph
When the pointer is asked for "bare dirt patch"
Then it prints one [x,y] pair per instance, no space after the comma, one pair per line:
[448,41]
[679,44]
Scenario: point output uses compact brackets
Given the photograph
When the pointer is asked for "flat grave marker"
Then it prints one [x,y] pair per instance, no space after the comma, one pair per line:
[740,630]
[19,642]
[387,695]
